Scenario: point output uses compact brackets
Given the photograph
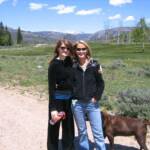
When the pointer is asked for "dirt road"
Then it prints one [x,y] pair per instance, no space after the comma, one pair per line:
[23,123]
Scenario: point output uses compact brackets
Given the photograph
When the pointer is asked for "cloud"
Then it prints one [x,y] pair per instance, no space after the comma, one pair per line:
[14,3]
[71,32]
[147,20]
[115,17]
[129,18]
[62,9]
[119,2]
[89,12]
[2,1]
[36,6]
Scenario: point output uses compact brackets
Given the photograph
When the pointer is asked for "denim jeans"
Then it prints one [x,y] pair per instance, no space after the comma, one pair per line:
[92,110]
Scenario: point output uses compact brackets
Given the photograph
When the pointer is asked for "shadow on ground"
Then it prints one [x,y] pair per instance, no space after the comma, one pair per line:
[122,147]
[116,146]
[92,145]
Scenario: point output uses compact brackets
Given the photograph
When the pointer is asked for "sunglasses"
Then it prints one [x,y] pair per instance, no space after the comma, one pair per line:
[63,48]
[81,49]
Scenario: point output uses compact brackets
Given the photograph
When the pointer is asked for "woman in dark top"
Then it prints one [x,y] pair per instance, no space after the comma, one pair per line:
[88,86]
[59,80]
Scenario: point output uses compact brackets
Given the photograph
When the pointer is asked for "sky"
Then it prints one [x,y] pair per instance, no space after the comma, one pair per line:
[72,16]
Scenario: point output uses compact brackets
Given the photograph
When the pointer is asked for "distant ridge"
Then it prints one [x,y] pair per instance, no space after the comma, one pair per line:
[101,35]
[52,36]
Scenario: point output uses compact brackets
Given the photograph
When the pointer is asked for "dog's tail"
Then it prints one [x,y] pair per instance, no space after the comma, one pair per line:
[147,122]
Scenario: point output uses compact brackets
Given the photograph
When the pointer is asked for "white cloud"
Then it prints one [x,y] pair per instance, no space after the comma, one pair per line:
[2,1]
[130,18]
[36,6]
[115,17]
[14,3]
[119,2]
[71,32]
[62,9]
[89,12]
[66,31]
[147,20]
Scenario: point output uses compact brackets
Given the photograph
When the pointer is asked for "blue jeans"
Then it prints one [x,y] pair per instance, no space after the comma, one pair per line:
[92,110]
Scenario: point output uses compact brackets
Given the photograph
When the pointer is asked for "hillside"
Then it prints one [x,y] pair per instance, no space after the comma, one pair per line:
[48,36]
[101,35]
[51,36]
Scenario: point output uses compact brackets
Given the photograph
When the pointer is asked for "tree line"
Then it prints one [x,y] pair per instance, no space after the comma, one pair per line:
[139,34]
[6,37]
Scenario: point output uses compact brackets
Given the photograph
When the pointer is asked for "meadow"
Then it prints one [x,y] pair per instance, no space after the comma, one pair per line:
[124,67]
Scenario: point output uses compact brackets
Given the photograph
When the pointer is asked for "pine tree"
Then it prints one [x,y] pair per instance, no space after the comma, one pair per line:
[1,26]
[19,36]
[5,36]
[6,29]
[10,41]
[1,34]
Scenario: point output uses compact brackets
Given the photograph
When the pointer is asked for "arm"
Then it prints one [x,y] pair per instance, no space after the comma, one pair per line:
[51,85]
[99,82]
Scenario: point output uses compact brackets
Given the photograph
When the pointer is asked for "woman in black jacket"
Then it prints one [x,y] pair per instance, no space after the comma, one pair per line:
[60,89]
[88,88]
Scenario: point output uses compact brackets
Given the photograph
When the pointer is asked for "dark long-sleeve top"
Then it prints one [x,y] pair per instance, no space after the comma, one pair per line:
[88,84]
[59,77]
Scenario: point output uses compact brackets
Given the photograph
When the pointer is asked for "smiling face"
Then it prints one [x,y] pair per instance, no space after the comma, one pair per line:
[63,48]
[81,51]
[63,51]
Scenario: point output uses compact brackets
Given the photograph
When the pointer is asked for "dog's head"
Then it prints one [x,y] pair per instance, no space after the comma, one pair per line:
[106,118]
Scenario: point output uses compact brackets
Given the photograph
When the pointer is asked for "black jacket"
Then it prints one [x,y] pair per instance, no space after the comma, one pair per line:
[87,84]
[59,77]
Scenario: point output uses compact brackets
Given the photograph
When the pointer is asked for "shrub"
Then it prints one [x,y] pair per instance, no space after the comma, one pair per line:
[108,102]
[145,71]
[117,64]
[135,103]
[136,72]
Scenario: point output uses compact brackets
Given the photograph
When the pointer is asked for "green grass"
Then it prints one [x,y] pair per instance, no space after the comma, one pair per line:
[27,66]
[27,51]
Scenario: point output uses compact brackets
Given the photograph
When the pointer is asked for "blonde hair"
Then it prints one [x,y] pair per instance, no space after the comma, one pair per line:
[86,45]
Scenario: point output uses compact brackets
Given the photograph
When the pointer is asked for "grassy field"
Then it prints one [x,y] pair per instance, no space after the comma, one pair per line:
[124,66]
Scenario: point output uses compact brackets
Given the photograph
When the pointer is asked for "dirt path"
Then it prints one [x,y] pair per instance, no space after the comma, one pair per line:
[23,124]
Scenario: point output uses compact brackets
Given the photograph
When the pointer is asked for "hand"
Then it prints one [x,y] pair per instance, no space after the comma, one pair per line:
[57,118]
[62,114]
[93,100]
[54,115]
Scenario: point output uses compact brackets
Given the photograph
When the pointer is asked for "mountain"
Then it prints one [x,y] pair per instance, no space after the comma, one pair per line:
[51,36]
[113,32]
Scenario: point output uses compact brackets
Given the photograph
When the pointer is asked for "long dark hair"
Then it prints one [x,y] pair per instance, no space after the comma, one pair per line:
[67,43]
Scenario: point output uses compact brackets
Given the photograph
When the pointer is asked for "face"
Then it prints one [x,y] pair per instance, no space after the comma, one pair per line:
[81,51]
[63,51]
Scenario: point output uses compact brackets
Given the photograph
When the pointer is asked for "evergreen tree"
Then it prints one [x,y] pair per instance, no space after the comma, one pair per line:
[10,41]
[1,26]
[19,36]
[6,29]
[5,36]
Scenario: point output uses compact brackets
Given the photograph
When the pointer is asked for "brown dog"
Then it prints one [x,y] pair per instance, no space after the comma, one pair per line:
[124,126]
